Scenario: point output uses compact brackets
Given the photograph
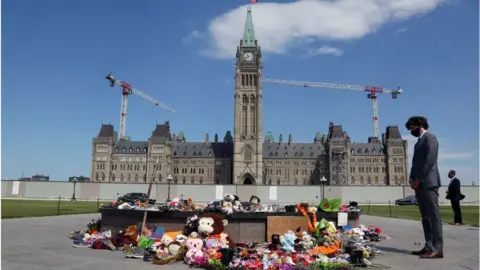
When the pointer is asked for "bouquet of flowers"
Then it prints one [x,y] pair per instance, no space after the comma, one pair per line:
[94,226]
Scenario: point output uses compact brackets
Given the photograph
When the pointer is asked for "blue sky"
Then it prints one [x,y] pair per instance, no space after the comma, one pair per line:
[55,55]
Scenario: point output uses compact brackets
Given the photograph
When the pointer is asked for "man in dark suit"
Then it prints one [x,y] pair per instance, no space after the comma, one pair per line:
[455,196]
[425,180]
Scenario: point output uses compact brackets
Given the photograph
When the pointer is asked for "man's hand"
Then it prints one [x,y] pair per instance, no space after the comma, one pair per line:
[414,183]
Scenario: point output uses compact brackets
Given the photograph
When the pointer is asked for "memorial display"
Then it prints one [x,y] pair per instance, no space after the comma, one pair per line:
[296,235]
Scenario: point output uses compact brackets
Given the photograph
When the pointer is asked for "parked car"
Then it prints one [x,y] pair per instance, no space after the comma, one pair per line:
[135,196]
[409,200]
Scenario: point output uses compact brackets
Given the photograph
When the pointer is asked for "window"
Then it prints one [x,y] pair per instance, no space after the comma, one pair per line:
[192,181]
[252,117]
[123,149]
[138,149]
[248,153]
[116,149]
[244,118]
[130,149]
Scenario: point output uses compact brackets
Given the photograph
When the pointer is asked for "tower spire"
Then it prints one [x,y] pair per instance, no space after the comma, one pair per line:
[249,39]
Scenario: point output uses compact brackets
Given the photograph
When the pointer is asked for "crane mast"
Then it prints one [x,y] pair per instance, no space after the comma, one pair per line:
[372,91]
[127,90]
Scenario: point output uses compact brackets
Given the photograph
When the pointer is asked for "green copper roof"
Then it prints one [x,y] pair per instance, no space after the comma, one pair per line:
[228,137]
[249,32]
[269,138]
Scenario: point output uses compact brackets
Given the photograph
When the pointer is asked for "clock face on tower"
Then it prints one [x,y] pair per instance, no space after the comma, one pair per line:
[248,56]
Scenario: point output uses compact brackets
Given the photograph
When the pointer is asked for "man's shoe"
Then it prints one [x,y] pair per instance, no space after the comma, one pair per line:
[432,255]
[420,252]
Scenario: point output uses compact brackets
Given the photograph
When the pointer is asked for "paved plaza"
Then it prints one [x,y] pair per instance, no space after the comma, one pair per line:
[41,244]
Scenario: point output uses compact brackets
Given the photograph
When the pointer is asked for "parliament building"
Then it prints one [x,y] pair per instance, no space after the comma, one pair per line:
[247,157]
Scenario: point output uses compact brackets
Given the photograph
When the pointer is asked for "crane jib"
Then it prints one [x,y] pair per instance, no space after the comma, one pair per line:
[373,89]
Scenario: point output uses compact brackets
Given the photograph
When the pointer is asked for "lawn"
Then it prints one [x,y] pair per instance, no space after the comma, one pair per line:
[30,208]
[470,213]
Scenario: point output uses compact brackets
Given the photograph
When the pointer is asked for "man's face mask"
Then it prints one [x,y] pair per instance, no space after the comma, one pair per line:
[415,132]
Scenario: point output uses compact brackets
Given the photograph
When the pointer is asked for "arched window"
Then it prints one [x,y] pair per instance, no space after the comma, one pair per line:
[184,180]
[352,180]
[96,177]
[121,177]
[252,99]
[136,177]
[244,99]
[103,176]
[278,182]
[192,181]
[145,178]
[159,177]
[113,177]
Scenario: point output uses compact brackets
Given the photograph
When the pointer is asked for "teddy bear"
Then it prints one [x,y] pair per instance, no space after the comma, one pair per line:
[166,240]
[306,240]
[176,249]
[194,249]
[288,241]
[211,225]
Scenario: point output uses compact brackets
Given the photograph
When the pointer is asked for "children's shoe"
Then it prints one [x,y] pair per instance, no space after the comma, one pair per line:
[109,244]
[136,253]
[148,257]
[81,244]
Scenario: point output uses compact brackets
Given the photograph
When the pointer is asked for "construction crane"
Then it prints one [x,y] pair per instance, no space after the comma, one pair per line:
[127,90]
[371,90]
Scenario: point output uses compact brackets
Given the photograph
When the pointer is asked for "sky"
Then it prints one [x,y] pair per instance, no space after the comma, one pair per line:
[56,53]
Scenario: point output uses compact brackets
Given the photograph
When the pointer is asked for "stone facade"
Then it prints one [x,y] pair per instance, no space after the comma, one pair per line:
[246,157]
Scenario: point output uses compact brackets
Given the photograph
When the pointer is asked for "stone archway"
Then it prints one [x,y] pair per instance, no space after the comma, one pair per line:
[248,179]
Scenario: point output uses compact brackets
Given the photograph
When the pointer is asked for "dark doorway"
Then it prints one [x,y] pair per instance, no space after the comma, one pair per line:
[248,180]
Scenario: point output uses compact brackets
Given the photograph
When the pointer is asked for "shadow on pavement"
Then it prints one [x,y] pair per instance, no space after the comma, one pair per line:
[395,250]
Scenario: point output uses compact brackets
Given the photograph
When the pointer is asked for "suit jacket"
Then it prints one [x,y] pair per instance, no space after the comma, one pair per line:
[454,192]
[424,162]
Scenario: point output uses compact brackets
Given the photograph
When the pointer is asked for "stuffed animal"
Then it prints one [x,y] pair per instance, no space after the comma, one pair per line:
[131,232]
[211,247]
[194,250]
[306,240]
[288,241]
[191,225]
[174,249]
[227,207]
[211,225]
[275,243]
[180,238]
[166,240]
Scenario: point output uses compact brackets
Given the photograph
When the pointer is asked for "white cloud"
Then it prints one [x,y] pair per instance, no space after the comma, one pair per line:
[192,36]
[329,50]
[281,27]
[401,30]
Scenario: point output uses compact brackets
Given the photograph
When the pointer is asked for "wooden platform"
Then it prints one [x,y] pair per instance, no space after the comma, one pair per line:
[241,226]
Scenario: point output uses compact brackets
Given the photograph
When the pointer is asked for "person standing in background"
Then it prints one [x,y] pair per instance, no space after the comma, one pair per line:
[425,180]
[455,196]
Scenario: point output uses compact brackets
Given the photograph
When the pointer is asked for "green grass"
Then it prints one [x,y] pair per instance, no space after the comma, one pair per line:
[470,213]
[30,208]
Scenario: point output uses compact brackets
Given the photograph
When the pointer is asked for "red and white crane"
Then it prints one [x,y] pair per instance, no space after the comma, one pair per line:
[371,90]
[127,90]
